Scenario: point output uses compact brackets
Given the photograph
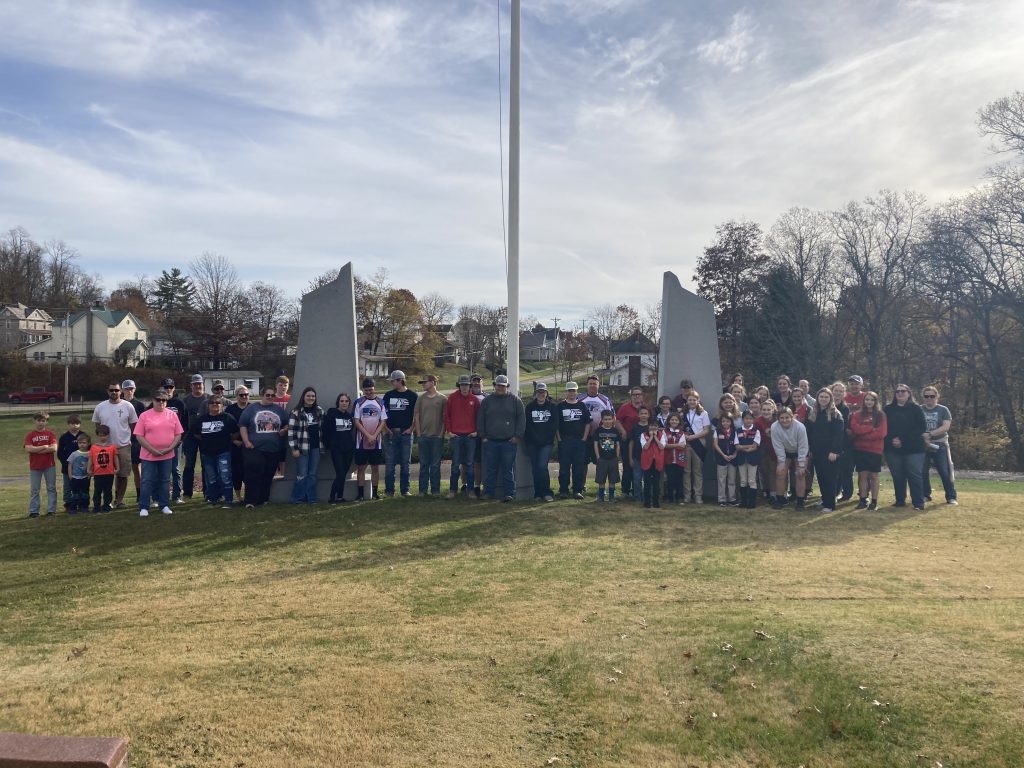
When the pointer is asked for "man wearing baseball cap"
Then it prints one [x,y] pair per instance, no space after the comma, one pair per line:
[128,395]
[501,424]
[476,387]
[460,424]
[400,402]
[573,431]
[195,403]
[854,396]
[428,426]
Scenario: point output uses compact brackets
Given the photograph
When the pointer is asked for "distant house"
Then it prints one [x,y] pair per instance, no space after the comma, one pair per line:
[21,325]
[451,349]
[231,379]
[540,345]
[634,361]
[96,333]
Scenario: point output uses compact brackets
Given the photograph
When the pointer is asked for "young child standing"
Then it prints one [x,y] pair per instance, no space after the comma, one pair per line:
[78,475]
[725,453]
[643,420]
[67,445]
[748,449]
[606,455]
[41,447]
[675,458]
[103,465]
[652,461]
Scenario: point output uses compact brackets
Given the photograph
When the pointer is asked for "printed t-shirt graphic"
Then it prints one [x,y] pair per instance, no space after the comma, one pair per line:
[595,404]
[369,413]
[267,421]
[103,459]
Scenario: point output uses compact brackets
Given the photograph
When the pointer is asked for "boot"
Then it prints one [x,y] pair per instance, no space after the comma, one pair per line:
[751,498]
[359,493]
[600,494]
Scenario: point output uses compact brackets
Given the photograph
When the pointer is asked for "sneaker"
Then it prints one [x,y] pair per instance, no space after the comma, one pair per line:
[919,507]
[118,504]
[826,510]
[250,506]
[800,503]
[33,514]
[507,500]
[167,511]
[953,502]
[927,498]
[179,500]
[873,505]
[899,504]
[225,506]
[862,504]
[578,496]
[408,493]
[549,497]
[143,512]
[451,494]
[477,491]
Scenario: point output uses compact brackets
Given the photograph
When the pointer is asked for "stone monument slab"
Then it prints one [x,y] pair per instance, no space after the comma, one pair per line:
[327,360]
[689,350]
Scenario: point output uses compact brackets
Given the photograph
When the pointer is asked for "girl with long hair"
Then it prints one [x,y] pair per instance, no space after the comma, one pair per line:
[868,427]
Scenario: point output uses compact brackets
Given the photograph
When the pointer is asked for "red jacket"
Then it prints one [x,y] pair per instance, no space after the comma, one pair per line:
[460,413]
[866,436]
[653,453]
[627,416]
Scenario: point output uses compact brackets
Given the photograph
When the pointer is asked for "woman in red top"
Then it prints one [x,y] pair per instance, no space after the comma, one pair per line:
[868,428]
[768,460]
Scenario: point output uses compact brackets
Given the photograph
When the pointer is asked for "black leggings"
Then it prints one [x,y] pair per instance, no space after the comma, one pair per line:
[828,474]
[342,461]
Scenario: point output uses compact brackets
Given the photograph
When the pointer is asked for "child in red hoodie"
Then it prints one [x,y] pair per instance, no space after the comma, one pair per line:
[868,427]
[652,461]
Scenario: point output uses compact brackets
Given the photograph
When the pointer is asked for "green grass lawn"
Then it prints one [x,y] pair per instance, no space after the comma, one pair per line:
[408,632]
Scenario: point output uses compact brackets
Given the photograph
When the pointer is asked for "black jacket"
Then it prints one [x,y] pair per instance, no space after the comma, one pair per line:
[825,436]
[907,423]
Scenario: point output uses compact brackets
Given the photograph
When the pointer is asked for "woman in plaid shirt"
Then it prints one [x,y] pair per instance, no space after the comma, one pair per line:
[304,440]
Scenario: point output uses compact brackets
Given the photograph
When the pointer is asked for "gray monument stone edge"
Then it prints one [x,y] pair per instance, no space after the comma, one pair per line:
[689,350]
[327,360]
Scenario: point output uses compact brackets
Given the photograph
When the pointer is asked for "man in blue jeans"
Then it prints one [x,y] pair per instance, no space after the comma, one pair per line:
[501,423]
[539,440]
[428,425]
[573,431]
[400,402]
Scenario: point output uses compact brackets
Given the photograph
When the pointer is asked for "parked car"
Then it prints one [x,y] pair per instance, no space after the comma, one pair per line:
[37,395]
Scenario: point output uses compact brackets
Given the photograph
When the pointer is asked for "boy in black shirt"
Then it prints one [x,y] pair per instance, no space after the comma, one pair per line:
[606,454]
[215,432]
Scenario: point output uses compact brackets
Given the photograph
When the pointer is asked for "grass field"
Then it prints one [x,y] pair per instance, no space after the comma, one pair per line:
[409,632]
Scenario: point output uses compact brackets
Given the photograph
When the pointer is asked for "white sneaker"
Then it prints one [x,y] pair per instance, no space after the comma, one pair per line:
[953,503]
[167,511]
[143,512]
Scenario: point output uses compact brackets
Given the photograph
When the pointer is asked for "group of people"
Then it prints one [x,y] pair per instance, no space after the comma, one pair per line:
[774,444]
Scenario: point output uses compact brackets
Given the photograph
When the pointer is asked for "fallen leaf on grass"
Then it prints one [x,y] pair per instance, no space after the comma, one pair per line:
[691,721]
[642,623]
[687,654]
[663,586]
[553,760]
[714,715]
[77,653]
[612,679]
[617,671]
[837,729]
[727,647]
[492,661]
[862,687]
[762,635]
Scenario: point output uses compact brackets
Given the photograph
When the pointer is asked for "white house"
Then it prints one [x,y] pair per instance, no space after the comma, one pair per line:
[96,333]
[230,379]
[540,344]
[21,325]
[634,361]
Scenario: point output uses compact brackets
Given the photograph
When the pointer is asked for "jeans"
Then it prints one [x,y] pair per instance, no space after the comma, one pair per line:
[906,470]
[176,473]
[342,461]
[572,461]
[652,487]
[102,492]
[499,455]
[463,452]
[217,472]
[190,447]
[156,481]
[540,456]
[260,467]
[68,492]
[639,480]
[305,476]
[36,478]
[943,464]
[430,463]
[627,471]
[397,450]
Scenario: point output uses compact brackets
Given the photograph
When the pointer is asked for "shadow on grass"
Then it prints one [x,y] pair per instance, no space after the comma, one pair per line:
[410,530]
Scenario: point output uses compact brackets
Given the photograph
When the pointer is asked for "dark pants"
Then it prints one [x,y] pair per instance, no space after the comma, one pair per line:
[237,468]
[627,473]
[572,462]
[652,486]
[827,472]
[499,456]
[260,467]
[673,482]
[463,452]
[79,494]
[540,457]
[397,450]
[190,449]
[844,467]
[342,461]
[943,464]
[102,492]
[906,469]
[430,463]
[217,474]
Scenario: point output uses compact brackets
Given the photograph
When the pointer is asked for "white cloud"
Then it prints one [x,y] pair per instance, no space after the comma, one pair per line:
[737,48]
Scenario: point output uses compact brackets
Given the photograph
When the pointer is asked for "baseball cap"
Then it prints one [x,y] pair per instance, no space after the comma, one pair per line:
[396,375]
[167,383]
[128,384]
[856,379]
[428,377]
[218,383]
[463,380]
[197,378]
[572,385]
[476,377]
[542,387]
[501,380]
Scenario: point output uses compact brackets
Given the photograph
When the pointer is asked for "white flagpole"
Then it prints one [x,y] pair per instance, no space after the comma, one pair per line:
[513,207]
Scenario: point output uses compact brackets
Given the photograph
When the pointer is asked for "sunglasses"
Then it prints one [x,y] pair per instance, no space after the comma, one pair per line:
[931,397]
[902,391]
[159,399]
[242,394]
[113,390]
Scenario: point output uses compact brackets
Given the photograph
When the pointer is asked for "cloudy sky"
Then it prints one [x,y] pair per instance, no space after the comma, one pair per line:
[293,137]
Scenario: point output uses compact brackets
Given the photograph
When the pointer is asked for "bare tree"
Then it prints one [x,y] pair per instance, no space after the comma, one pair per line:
[217,326]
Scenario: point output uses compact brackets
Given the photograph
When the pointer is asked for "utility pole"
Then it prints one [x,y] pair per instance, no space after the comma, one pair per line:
[67,352]
[513,206]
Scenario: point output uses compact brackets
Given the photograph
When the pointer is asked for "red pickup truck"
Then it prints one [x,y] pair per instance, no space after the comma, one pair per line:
[36,395]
